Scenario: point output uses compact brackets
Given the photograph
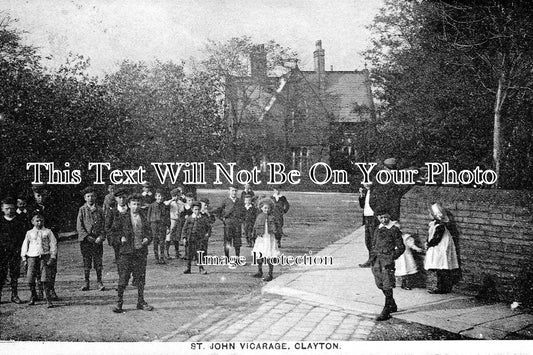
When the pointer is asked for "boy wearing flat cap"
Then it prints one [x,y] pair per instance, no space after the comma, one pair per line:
[135,235]
[231,212]
[91,235]
[195,231]
[116,209]
[40,205]
[387,246]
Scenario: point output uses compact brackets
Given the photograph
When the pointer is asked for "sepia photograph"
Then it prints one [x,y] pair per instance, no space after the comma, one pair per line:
[266,176]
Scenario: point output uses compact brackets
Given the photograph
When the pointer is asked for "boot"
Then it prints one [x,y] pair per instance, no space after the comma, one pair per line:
[47,295]
[384,315]
[167,250]
[405,284]
[365,264]
[393,307]
[53,294]
[177,250]
[270,272]
[188,271]
[226,250]
[202,270]
[87,283]
[15,298]
[141,303]
[156,253]
[40,292]
[100,284]
[162,253]
[120,300]
[237,251]
[33,297]
[259,273]
[14,294]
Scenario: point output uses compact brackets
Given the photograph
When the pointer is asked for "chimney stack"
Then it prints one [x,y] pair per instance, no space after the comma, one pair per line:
[258,62]
[320,62]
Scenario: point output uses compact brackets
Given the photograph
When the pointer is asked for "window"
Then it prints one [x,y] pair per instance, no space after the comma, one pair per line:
[301,158]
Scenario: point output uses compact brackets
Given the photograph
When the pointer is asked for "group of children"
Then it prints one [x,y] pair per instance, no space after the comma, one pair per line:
[24,239]
[391,256]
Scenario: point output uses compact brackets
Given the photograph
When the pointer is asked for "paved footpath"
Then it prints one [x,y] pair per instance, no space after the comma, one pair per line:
[339,302]
[276,319]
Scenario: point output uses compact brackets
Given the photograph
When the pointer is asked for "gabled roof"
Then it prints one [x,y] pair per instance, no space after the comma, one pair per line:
[349,90]
[345,91]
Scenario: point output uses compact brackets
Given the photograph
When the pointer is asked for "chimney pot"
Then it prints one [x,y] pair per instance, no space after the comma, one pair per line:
[320,63]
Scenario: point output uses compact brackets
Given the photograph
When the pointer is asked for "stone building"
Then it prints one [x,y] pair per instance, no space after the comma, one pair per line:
[300,117]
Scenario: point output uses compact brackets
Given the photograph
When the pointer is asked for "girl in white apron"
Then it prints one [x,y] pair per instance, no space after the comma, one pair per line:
[441,257]
[265,228]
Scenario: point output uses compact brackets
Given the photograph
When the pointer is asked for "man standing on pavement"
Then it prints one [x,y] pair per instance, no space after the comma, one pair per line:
[393,193]
[368,202]
[231,212]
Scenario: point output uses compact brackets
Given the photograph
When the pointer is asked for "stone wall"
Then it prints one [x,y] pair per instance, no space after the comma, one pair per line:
[493,231]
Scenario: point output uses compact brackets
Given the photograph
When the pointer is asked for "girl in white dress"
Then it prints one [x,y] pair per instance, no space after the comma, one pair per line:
[405,264]
[441,257]
[265,228]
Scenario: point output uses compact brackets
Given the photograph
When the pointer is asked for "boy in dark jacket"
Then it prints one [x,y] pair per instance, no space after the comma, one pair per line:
[387,246]
[135,235]
[12,231]
[250,213]
[116,209]
[281,206]
[91,234]
[195,231]
[159,219]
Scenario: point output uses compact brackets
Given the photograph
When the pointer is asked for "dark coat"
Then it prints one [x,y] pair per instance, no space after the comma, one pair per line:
[123,227]
[112,215]
[12,233]
[387,245]
[229,210]
[273,224]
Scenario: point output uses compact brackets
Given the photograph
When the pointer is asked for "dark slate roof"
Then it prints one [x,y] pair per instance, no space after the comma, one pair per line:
[348,89]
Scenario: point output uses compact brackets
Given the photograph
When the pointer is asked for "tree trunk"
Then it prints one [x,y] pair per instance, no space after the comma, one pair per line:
[496,139]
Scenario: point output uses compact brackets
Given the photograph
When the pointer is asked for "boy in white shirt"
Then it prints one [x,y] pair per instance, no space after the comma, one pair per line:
[39,252]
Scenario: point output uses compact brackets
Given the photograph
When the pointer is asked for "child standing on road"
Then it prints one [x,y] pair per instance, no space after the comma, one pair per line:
[195,230]
[281,206]
[184,213]
[39,253]
[13,227]
[116,209]
[441,257]
[91,234]
[135,235]
[158,217]
[250,214]
[405,264]
[266,226]
[175,205]
[204,211]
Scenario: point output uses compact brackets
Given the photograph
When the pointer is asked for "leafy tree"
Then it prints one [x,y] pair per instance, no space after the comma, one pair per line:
[495,37]
[244,87]
[435,96]
[49,116]
[171,116]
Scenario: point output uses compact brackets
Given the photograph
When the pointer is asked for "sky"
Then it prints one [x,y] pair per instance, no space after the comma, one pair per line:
[109,31]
